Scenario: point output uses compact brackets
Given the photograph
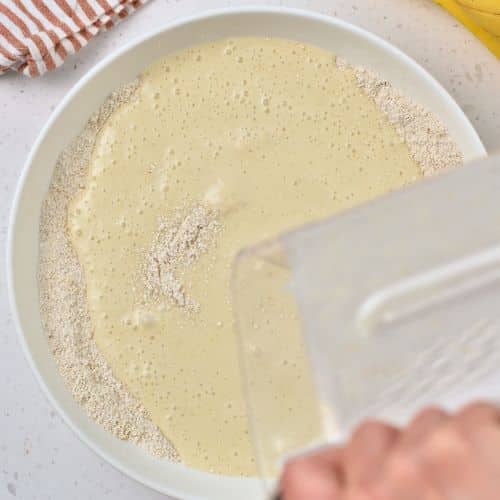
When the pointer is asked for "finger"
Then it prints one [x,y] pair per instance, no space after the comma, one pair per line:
[356,493]
[486,441]
[315,477]
[476,415]
[329,458]
[366,452]
[402,480]
[486,444]
[480,424]
[426,422]
[451,465]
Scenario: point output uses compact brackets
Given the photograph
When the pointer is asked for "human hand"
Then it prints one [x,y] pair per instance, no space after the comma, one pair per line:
[436,457]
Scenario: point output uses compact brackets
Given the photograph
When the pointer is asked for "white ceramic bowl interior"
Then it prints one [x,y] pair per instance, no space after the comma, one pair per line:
[354,44]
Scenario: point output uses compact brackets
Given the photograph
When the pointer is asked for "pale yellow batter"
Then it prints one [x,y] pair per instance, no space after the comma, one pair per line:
[273,135]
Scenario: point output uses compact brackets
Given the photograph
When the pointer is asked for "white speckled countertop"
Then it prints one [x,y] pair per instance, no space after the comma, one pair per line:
[40,458]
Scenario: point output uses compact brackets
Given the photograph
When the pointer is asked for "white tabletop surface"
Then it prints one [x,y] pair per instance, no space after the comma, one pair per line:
[40,458]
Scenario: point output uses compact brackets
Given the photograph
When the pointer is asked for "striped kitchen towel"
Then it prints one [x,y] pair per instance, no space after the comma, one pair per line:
[37,35]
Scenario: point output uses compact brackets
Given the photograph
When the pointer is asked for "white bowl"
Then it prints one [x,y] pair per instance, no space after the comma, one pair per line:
[348,41]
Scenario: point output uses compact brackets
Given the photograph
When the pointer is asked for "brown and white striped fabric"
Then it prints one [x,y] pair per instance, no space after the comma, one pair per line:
[37,35]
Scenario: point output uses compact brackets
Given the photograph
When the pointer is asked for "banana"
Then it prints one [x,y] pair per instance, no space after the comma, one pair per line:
[491,6]
[490,22]
[481,17]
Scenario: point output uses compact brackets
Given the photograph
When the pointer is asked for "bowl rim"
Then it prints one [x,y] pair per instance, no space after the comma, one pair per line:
[82,82]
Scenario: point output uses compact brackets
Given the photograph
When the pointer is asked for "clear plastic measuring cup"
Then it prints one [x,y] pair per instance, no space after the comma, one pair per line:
[375,312]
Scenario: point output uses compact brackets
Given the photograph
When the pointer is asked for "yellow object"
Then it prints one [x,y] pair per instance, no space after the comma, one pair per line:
[490,22]
[492,6]
[481,17]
